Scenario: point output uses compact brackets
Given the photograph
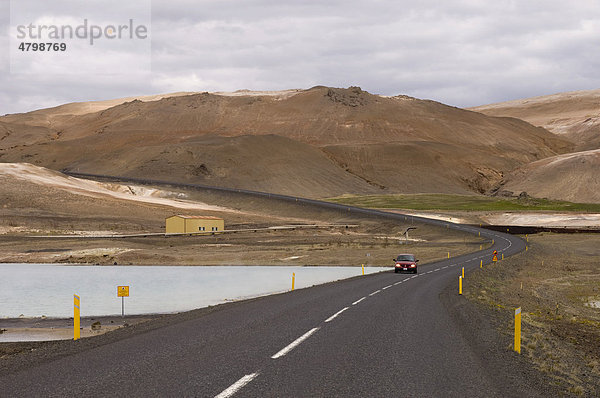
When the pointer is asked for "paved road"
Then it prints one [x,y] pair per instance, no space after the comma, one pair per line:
[385,335]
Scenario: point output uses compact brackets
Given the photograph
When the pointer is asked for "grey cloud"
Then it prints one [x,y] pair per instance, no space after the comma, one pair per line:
[461,52]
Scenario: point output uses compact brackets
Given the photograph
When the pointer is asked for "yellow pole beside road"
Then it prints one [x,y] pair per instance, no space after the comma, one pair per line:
[463,272]
[460,285]
[502,256]
[518,330]
[363,268]
[293,279]
[76,318]
[481,264]
[448,254]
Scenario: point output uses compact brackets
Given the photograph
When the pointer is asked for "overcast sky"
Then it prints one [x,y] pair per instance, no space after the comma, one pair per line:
[459,52]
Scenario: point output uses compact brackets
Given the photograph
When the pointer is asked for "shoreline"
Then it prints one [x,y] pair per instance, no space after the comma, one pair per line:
[44,329]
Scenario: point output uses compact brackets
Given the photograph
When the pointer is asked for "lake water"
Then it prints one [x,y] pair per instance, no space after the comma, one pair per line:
[33,290]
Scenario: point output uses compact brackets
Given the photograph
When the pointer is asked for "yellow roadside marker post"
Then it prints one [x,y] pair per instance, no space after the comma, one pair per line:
[502,256]
[363,269]
[527,237]
[463,272]
[293,279]
[518,330]
[76,318]
[448,254]
[481,264]
[460,285]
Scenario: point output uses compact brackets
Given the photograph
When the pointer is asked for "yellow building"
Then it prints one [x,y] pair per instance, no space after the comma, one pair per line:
[189,224]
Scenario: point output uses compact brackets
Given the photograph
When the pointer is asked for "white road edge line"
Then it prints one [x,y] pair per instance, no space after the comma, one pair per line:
[437,269]
[294,343]
[358,301]
[331,318]
[375,292]
[238,385]
[387,287]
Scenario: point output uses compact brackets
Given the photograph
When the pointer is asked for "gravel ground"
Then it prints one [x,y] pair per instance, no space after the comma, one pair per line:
[554,283]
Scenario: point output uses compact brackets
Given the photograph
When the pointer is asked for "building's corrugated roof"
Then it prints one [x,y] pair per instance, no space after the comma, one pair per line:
[198,217]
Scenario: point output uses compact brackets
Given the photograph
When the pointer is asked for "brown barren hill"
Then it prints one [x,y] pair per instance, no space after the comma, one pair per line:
[573,115]
[574,177]
[317,142]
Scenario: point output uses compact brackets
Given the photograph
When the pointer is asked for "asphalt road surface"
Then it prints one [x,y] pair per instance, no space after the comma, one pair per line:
[383,335]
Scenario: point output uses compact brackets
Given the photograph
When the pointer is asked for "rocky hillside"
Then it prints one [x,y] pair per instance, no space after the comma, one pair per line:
[317,142]
[573,115]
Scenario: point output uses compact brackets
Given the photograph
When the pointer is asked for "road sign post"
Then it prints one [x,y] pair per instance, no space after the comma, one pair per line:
[76,317]
[122,291]
[518,330]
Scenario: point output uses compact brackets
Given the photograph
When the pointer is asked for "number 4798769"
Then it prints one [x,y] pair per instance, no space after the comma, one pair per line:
[43,46]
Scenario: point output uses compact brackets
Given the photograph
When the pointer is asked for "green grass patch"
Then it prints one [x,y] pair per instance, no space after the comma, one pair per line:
[462,202]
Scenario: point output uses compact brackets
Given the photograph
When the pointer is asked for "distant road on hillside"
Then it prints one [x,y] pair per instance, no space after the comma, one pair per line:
[384,335]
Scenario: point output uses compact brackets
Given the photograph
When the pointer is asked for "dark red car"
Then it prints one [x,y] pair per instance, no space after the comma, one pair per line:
[406,263]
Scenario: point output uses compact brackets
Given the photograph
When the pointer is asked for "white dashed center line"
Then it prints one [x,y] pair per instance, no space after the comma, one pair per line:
[295,343]
[331,318]
[235,387]
[358,301]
